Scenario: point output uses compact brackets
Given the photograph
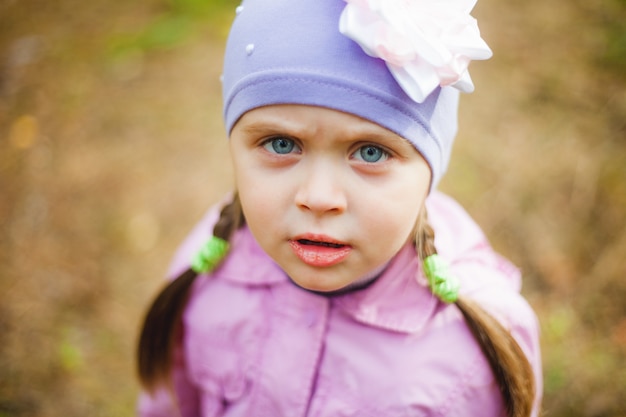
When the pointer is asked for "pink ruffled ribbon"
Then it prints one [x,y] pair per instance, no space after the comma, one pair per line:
[425,43]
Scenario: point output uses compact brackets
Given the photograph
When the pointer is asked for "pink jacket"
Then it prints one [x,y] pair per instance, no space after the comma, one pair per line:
[256,345]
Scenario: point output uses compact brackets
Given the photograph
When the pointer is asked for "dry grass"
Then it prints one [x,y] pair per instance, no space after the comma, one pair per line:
[112,146]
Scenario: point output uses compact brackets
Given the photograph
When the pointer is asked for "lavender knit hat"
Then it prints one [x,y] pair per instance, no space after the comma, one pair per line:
[292,52]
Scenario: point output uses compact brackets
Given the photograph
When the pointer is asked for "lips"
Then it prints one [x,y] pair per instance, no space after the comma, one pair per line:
[320,251]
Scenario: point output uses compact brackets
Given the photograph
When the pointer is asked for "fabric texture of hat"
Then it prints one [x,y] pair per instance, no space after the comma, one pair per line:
[292,52]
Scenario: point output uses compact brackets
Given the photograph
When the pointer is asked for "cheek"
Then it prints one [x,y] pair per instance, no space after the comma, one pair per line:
[398,212]
[255,204]
[263,206]
[246,184]
[396,222]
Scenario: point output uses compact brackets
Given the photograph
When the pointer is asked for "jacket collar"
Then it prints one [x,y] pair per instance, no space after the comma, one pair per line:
[398,301]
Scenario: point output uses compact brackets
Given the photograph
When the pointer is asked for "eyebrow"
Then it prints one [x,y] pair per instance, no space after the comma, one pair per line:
[257,128]
[376,134]
[385,137]
[265,126]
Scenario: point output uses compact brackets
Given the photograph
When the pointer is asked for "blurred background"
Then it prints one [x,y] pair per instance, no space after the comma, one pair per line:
[112,147]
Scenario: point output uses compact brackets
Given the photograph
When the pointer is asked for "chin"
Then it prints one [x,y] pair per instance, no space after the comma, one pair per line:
[314,284]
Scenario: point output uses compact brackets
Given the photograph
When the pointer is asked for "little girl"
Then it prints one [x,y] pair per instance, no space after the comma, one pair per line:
[321,287]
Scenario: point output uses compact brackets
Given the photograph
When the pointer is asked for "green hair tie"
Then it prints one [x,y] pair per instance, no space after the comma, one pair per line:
[442,283]
[209,255]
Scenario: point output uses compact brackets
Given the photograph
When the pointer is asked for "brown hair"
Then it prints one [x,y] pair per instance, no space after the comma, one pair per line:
[162,327]
[509,365]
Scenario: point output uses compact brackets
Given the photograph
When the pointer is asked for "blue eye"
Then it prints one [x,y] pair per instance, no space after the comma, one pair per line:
[371,154]
[280,145]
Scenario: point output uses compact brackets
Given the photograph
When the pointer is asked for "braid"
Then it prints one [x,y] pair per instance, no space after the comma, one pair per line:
[425,236]
[162,325]
[508,363]
[231,219]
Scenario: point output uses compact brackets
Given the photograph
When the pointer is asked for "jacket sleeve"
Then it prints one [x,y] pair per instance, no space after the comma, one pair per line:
[488,279]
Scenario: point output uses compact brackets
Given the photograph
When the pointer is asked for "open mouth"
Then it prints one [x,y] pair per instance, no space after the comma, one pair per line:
[318,243]
[320,253]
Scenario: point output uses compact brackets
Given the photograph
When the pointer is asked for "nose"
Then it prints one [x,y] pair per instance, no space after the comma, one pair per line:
[321,191]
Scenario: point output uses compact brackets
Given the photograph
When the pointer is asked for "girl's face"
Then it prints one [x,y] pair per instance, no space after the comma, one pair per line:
[328,195]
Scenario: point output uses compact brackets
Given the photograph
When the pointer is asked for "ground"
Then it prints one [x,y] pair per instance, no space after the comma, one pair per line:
[112,146]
